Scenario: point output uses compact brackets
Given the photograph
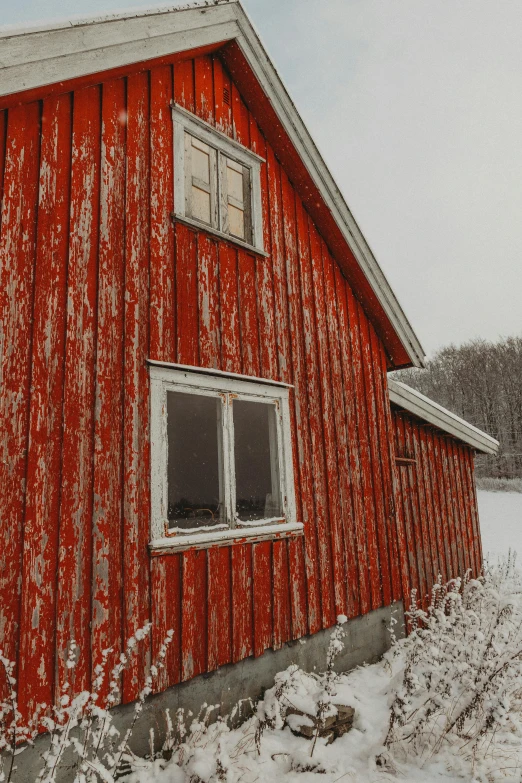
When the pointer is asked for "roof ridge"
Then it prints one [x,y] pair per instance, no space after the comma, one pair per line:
[77,20]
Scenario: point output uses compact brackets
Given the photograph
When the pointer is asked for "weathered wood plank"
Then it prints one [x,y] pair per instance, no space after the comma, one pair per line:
[204,88]
[432,507]
[317,254]
[425,505]
[38,622]
[242,602]
[38,578]
[222,97]
[440,480]
[230,347]
[248,318]
[281,588]
[220,601]
[162,266]
[17,259]
[303,451]
[3,138]
[375,450]
[208,295]
[302,466]
[107,598]
[136,445]
[465,544]
[407,509]
[166,616]
[442,538]
[421,540]
[186,295]
[184,89]
[264,281]
[318,501]
[240,123]
[76,504]
[263,590]
[387,461]
[194,614]
[473,504]
[357,532]
[354,316]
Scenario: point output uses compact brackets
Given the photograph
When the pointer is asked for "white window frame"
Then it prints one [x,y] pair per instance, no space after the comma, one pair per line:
[168,377]
[186,122]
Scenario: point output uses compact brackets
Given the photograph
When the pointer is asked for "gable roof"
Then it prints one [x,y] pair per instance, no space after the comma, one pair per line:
[414,402]
[36,57]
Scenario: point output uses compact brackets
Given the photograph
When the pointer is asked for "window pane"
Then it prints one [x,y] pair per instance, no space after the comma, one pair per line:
[194,460]
[200,205]
[236,221]
[257,470]
[200,164]
[235,182]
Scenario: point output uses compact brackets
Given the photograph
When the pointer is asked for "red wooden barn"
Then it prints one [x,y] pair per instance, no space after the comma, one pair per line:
[195,415]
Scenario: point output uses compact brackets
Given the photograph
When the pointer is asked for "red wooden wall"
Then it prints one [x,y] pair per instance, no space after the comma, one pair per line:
[94,278]
[436,505]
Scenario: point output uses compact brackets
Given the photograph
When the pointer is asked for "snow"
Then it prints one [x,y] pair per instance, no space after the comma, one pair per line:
[454,653]
[500,523]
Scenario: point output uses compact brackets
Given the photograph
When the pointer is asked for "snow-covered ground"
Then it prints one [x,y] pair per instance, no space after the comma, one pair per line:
[244,756]
[453,687]
[501,523]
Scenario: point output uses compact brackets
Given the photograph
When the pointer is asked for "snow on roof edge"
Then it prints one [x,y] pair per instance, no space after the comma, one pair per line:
[413,401]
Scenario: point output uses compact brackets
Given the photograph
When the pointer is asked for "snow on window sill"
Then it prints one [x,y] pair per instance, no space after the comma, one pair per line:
[200,540]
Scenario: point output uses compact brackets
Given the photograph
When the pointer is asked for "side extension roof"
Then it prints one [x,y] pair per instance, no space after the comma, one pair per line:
[37,57]
[414,402]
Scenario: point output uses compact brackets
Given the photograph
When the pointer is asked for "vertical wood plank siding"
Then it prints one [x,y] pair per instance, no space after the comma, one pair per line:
[95,278]
[436,505]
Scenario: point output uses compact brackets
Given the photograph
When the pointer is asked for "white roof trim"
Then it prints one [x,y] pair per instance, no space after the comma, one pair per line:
[36,57]
[433,413]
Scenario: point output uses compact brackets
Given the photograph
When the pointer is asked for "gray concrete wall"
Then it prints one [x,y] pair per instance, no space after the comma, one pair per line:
[367,638]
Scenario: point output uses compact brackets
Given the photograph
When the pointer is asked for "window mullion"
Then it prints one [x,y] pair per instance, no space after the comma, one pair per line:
[188,174]
[229,465]
[223,194]
[214,195]
[282,483]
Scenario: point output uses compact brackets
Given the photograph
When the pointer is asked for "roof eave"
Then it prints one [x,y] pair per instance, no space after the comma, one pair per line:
[422,407]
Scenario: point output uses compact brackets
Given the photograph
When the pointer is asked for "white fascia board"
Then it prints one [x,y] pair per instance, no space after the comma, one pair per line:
[416,403]
[36,57]
[40,57]
[285,108]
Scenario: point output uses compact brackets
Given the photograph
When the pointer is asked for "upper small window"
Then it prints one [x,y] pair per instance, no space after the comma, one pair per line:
[216,181]
[221,454]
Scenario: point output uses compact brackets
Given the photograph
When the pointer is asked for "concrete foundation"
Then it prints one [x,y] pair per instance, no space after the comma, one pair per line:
[367,638]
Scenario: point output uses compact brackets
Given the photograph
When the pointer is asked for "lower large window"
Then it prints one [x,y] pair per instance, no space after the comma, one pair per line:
[221,454]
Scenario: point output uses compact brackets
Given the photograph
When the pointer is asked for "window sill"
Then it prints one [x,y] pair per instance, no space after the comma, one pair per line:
[164,546]
[176,218]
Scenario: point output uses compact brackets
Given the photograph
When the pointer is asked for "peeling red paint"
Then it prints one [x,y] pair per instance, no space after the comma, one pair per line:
[96,278]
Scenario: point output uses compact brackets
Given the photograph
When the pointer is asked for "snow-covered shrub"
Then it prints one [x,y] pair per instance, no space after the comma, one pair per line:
[214,752]
[82,725]
[461,687]
[490,484]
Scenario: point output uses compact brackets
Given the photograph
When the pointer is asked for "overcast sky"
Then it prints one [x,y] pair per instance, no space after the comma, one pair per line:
[416,106]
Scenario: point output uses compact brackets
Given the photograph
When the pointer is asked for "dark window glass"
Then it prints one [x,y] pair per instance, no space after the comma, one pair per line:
[194,460]
[257,479]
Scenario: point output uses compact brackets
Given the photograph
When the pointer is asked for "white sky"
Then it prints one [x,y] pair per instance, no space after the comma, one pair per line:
[416,106]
